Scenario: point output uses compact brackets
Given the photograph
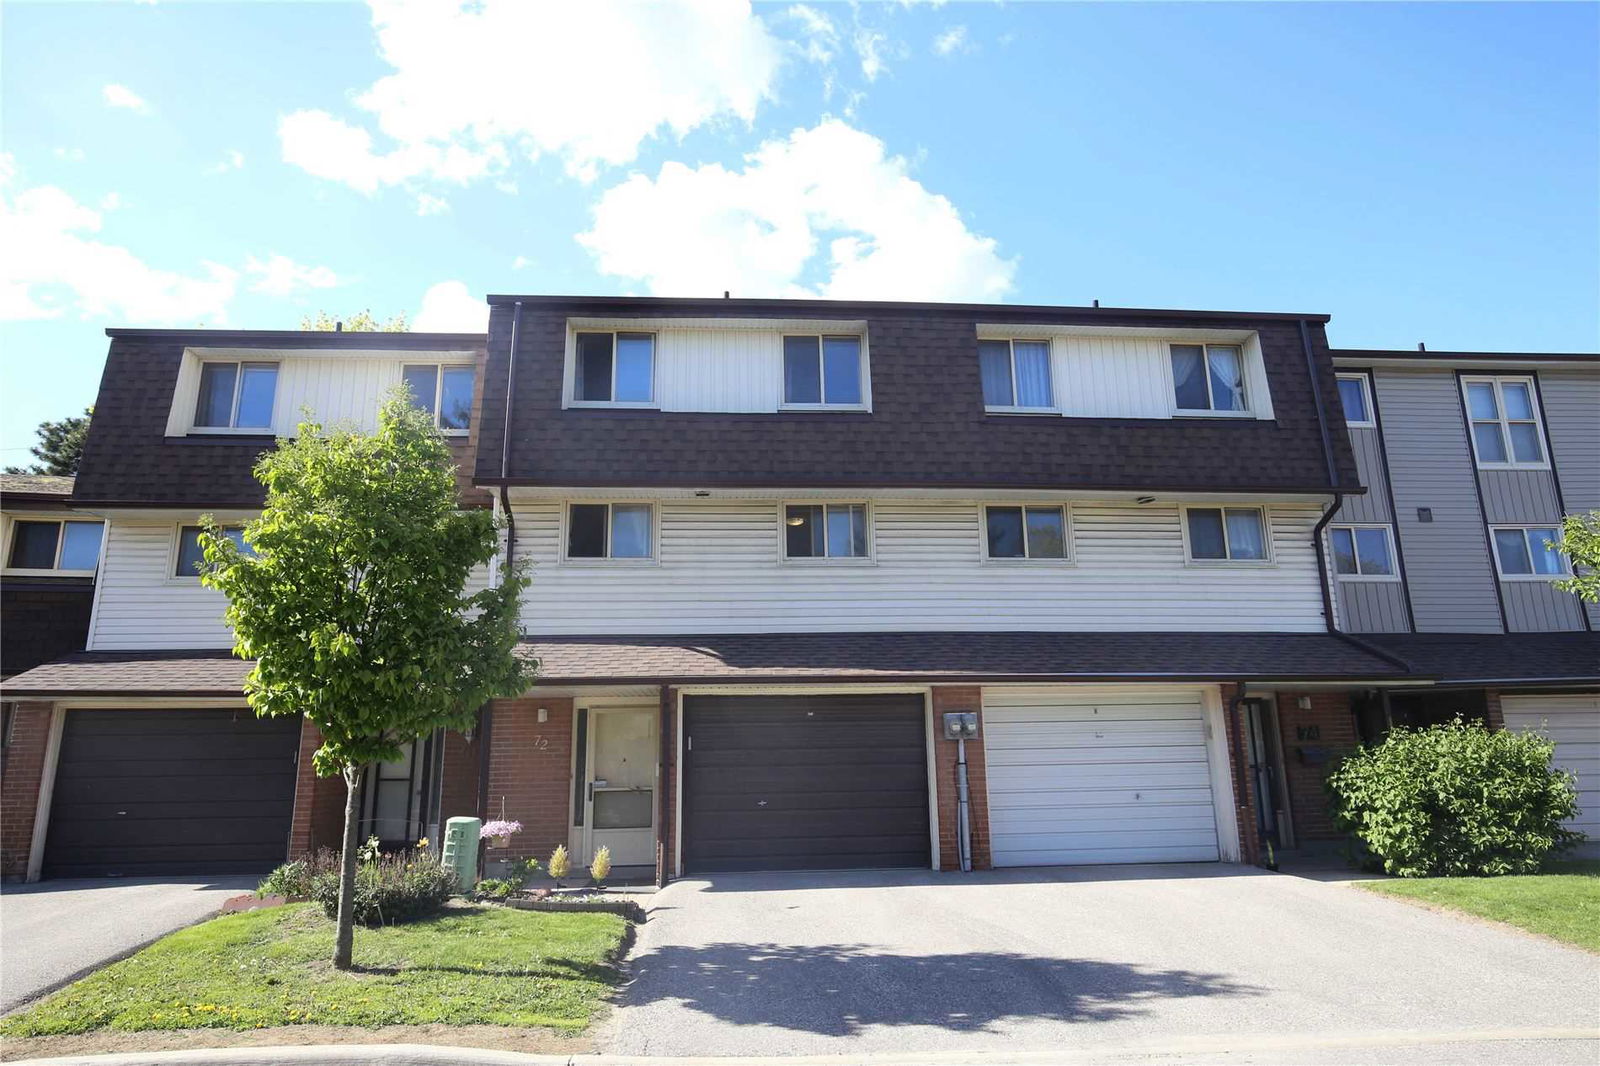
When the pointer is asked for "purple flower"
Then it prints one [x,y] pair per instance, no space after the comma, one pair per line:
[498,828]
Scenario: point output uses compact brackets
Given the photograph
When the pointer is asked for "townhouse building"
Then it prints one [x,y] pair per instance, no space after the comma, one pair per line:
[1162,566]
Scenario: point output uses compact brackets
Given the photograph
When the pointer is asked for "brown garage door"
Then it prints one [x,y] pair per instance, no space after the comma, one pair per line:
[804,782]
[171,792]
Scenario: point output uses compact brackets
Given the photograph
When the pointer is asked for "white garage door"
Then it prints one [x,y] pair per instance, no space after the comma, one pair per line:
[1573,722]
[1098,777]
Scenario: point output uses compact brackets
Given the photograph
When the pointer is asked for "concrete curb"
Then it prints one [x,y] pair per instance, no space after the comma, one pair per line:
[430,1055]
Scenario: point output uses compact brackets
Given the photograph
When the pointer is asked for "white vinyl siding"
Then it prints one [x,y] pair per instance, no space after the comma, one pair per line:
[337,386]
[139,604]
[1098,777]
[720,571]
[1573,722]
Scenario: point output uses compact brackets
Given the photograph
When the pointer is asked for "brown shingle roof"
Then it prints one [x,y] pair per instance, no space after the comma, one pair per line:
[35,485]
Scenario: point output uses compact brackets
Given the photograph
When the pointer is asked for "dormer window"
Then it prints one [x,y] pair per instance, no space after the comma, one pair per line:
[1208,379]
[1016,375]
[445,392]
[236,395]
[820,371]
[616,369]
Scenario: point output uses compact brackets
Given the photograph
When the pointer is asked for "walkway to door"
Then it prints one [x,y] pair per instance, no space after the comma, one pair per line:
[1038,960]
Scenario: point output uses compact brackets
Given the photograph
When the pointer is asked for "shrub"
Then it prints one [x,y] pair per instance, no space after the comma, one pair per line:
[293,879]
[390,889]
[1456,800]
[497,888]
[600,868]
[560,865]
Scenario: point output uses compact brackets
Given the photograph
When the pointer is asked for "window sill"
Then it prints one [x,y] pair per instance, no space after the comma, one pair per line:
[226,431]
[988,561]
[1513,466]
[1546,578]
[1213,414]
[623,564]
[1370,579]
[1229,564]
[1054,411]
[610,405]
[1360,425]
[18,571]
[856,408]
[803,562]
[456,432]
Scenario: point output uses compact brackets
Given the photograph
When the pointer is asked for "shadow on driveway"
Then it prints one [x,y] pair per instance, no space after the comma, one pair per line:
[840,989]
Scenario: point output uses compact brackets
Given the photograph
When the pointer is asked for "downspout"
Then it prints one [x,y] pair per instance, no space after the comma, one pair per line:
[505,435]
[663,779]
[1323,578]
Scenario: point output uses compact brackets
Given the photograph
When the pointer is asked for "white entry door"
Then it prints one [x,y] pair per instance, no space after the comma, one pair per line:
[620,792]
[1103,777]
[1573,722]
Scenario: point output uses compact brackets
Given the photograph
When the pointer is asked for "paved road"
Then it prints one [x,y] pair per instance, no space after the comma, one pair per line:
[1063,960]
[53,931]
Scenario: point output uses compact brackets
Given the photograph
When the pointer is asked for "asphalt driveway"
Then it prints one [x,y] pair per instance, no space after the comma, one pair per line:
[54,931]
[1219,960]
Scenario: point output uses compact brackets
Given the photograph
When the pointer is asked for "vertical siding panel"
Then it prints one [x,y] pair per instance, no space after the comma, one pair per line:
[1447,560]
[1374,506]
[1572,418]
[1373,606]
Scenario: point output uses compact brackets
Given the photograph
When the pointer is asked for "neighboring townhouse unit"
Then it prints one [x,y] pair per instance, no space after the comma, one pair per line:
[774,543]
[50,554]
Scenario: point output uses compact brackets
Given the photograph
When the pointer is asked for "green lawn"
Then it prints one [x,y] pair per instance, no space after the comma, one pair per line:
[1563,904]
[470,965]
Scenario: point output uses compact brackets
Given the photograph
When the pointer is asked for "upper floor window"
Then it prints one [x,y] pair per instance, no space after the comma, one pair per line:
[1025,532]
[1226,534]
[63,547]
[189,559]
[1016,375]
[1208,378]
[610,531]
[1505,421]
[825,531]
[1356,398]
[1528,552]
[235,395]
[823,371]
[443,391]
[1362,552]
[615,368]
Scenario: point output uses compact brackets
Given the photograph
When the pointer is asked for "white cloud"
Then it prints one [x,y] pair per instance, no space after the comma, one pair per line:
[474,83]
[449,308]
[111,201]
[71,155]
[124,97]
[278,275]
[951,41]
[826,212]
[820,34]
[428,204]
[232,159]
[870,47]
[521,262]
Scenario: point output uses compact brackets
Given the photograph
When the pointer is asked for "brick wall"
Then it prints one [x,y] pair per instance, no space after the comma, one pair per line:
[1493,715]
[318,820]
[667,836]
[458,786]
[21,774]
[1313,742]
[530,774]
[1244,797]
[960,698]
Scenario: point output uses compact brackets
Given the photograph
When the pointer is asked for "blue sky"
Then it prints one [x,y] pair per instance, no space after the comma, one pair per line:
[1421,172]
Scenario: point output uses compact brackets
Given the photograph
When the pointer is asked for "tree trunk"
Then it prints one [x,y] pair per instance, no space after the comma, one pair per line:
[344,937]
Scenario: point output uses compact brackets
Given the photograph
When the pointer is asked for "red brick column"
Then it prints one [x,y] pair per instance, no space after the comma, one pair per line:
[1493,716]
[1327,729]
[1244,795]
[21,777]
[458,771]
[960,698]
[667,834]
[530,774]
[318,820]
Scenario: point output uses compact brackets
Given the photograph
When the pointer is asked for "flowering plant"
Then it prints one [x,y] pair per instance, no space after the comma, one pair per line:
[499,828]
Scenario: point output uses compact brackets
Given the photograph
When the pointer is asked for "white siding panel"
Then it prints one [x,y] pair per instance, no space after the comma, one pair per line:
[1131,377]
[1573,722]
[719,370]
[1114,776]
[719,571]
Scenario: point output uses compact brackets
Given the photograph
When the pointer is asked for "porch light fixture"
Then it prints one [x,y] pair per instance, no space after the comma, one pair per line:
[795,520]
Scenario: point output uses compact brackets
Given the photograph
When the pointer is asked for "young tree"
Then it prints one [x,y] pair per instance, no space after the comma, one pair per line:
[60,446]
[351,599]
[360,322]
[1580,540]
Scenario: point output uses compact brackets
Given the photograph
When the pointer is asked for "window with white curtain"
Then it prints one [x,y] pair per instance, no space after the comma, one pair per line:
[1505,421]
[1226,535]
[1529,553]
[1016,375]
[1208,378]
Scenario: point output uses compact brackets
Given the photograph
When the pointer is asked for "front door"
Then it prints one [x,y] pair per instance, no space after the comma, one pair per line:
[620,790]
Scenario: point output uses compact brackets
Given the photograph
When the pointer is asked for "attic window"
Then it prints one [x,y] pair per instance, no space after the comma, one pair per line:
[236,395]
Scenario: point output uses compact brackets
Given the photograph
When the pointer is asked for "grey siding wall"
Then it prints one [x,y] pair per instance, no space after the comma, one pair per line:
[1572,416]
[1374,506]
[1372,606]
[1519,496]
[1537,607]
[1447,560]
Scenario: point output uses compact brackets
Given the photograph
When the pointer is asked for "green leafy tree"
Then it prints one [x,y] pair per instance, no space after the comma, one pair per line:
[360,322]
[60,446]
[1580,540]
[351,599]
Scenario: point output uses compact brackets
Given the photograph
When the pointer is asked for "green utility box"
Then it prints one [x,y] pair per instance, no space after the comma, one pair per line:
[461,851]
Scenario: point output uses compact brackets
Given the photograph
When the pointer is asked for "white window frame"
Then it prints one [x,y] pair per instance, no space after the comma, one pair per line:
[1388,536]
[233,409]
[1248,411]
[653,559]
[785,558]
[1505,421]
[1371,421]
[438,392]
[1068,559]
[1050,365]
[173,577]
[785,404]
[1266,534]
[61,540]
[653,403]
[1525,528]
